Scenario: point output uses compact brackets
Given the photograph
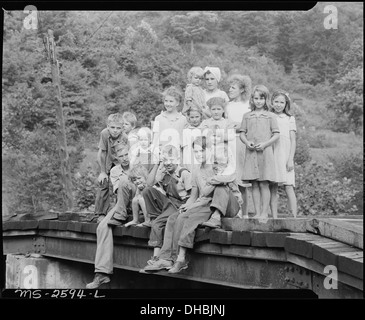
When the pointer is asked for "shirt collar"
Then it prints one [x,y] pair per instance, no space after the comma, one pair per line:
[178,115]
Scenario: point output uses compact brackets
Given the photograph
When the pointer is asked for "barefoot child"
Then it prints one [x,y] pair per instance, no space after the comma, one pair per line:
[259,130]
[194,93]
[138,175]
[191,131]
[284,150]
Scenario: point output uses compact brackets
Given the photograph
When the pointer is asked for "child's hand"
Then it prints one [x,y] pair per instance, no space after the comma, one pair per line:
[102,177]
[260,146]
[290,165]
[251,145]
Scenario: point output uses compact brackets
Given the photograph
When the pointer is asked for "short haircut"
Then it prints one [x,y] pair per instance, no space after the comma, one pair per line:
[243,82]
[138,170]
[195,71]
[131,118]
[115,118]
[121,147]
[146,130]
[216,101]
[202,141]
[174,92]
[194,107]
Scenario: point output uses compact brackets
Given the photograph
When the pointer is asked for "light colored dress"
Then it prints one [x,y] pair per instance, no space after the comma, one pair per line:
[234,114]
[196,95]
[259,127]
[168,130]
[282,149]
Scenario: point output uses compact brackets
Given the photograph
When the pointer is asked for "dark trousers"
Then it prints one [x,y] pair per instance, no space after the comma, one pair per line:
[160,208]
[102,202]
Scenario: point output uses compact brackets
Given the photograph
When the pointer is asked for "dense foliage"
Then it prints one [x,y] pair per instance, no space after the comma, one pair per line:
[123,61]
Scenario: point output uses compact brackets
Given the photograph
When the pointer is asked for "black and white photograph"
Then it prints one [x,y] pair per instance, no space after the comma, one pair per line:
[183,153]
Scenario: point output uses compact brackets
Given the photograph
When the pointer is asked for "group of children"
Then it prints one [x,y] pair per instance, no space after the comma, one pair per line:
[262,140]
[166,173]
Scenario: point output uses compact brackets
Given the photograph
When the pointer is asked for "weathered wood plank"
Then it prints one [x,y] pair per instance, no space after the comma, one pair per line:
[327,253]
[352,263]
[343,231]
[221,236]
[242,238]
[271,225]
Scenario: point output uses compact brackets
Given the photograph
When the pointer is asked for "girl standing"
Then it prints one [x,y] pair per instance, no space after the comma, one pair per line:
[284,150]
[212,76]
[259,130]
[239,93]
[191,131]
[168,126]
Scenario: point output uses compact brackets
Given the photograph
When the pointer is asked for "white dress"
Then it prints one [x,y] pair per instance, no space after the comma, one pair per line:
[235,112]
[282,149]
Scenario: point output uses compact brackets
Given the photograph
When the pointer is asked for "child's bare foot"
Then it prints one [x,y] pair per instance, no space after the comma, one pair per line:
[145,224]
[131,223]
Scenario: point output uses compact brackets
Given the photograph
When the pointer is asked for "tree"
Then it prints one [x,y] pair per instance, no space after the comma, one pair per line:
[193,26]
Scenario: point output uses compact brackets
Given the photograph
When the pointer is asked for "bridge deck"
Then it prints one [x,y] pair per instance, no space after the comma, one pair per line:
[246,253]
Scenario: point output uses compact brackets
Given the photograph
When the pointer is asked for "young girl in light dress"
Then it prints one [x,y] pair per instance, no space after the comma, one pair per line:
[239,92]
[284,150]
[194,93]
[259,130]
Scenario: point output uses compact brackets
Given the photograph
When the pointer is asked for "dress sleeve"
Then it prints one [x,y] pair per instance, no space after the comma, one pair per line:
[244,124]
[292,124]
[274,125]
[225,96]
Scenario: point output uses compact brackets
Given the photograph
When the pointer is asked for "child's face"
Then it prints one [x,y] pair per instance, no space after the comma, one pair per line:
[279,103]
[170,103]
[220,163]
[234,91]
[140,182]
[200,154]
[217,112]
[123,157]
[196,80]
[170,162]
[195,118]
[211,82]
[259,100]
[115,129]
[127,126]
[144,140]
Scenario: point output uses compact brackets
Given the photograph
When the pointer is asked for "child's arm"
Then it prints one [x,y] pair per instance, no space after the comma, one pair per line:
[276,134]
[293,144]
[250,144]
[102,163]
[262,145]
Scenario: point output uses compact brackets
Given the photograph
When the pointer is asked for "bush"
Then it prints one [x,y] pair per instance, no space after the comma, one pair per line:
[320,193]
[320,140]
[85,190]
